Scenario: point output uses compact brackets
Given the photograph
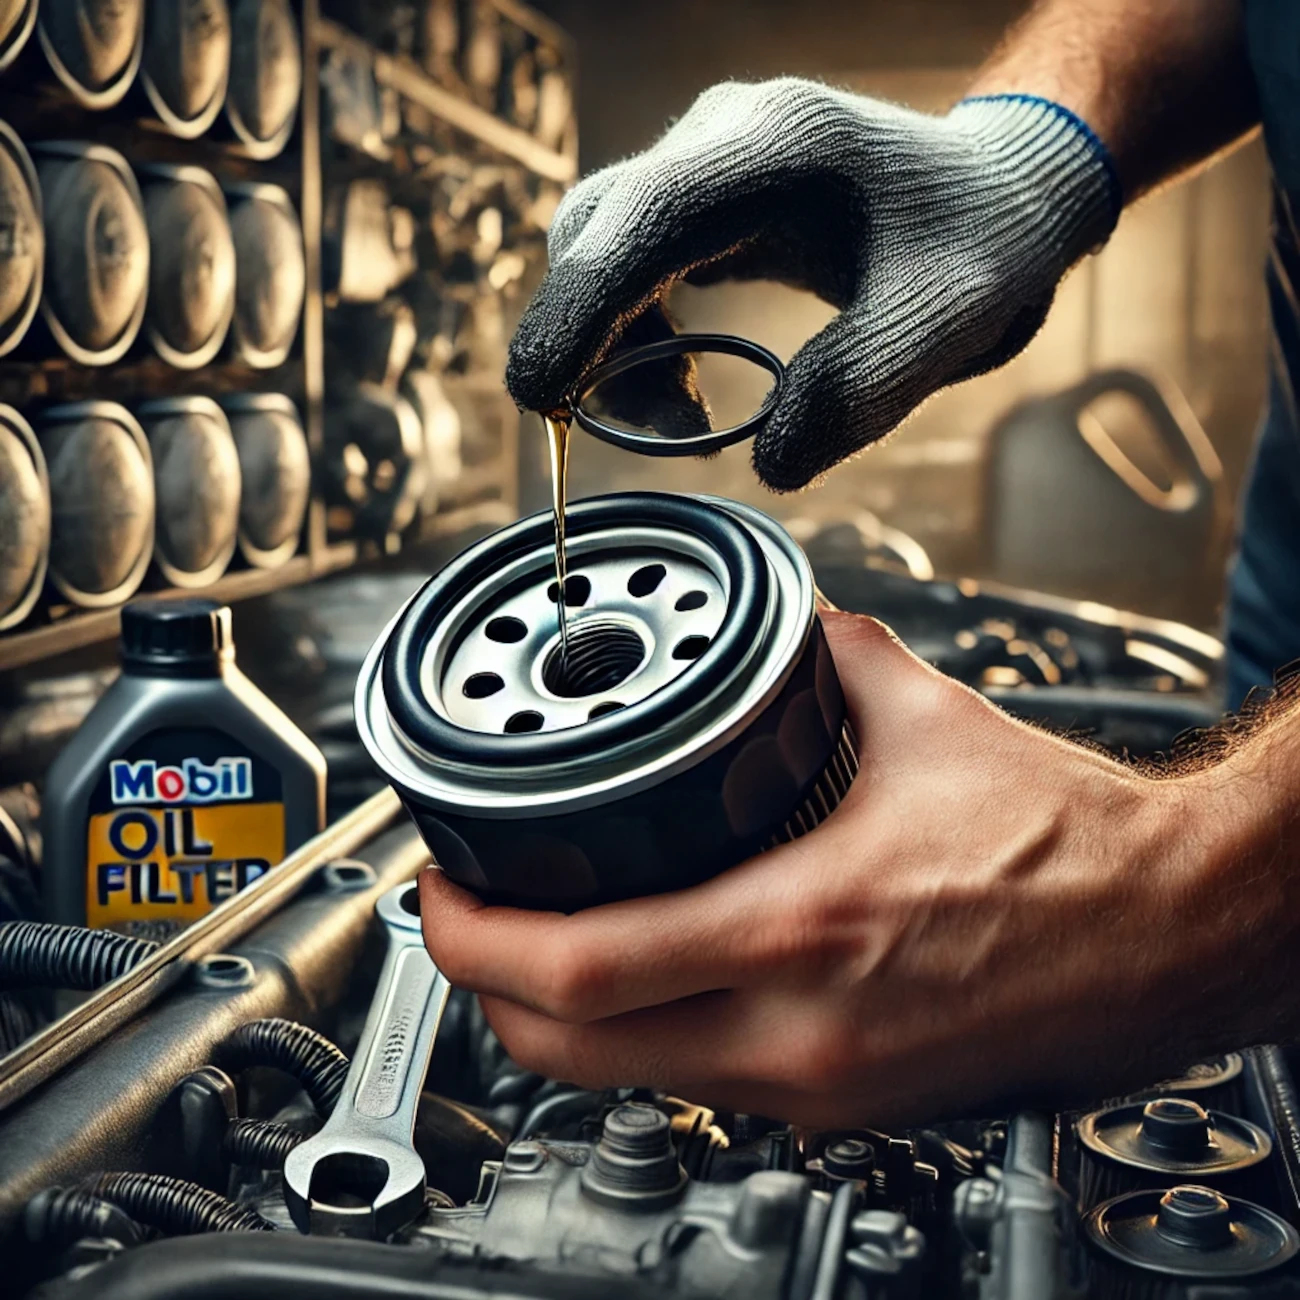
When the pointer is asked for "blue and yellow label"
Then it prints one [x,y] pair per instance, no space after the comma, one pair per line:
[173,834]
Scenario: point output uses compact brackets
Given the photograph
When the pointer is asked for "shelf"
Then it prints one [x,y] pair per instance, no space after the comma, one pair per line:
[80,628]
[409,80]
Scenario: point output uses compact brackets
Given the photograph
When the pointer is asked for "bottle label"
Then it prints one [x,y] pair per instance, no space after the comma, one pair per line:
[179,822]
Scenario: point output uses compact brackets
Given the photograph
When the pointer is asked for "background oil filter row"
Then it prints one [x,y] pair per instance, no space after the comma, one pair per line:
[184,61]
[105,250]
[94,498]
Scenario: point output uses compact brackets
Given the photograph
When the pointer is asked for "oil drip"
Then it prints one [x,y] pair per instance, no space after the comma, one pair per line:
[558,424]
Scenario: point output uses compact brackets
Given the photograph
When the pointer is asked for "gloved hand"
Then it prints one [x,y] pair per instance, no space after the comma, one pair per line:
[940,239]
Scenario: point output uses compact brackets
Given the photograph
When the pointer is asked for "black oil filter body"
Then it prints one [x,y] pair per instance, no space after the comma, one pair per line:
[275,472]
[183,785]
[196,486]
[24,518]
[1155,1244]
[102,501]
[17,22]
[192,265]
[22,249]
[186,63]
[1165,1141]
[93,47]
[265,75]
[696,720]
[97,251]
[270,274]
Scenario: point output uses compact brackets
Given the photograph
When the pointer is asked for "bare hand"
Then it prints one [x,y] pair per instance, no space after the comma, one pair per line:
[992,911]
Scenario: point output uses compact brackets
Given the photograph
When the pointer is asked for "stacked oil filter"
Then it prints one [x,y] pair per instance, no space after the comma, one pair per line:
[151,259]
[430,245]
[1174,1187]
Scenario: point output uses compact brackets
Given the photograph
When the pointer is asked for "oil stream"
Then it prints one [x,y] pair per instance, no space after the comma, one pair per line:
[557,436]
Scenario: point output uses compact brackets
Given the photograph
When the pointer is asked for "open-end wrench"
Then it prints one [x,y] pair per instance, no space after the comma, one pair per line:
[361,1176]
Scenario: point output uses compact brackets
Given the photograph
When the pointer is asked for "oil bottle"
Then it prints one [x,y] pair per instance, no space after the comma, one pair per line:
[184,784]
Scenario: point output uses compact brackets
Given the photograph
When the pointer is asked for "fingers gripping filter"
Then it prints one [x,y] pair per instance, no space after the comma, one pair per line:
[696,719]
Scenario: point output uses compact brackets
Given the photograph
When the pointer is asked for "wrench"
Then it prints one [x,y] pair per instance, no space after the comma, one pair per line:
[361,1176]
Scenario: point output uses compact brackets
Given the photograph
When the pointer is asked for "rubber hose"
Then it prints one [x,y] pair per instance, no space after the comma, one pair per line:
[310,1057]
[173,1206]
[39,954]
[59,1216]
[18,1022]
[260,1143]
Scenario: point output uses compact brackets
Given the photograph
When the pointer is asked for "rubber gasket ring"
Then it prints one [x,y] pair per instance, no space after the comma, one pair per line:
[680,344]
[747,573]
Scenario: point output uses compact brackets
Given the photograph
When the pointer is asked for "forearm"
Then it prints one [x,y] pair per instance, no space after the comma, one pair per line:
[1164,83]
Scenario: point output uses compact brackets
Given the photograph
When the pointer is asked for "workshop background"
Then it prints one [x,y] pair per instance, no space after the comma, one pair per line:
[1178,295]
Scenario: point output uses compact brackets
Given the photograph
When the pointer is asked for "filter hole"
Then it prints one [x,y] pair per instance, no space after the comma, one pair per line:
[577,590]
[528,720]
[601,710]
[601,656]
[505,630]
[690,647]
[691,600]
[481,685]
[646,579]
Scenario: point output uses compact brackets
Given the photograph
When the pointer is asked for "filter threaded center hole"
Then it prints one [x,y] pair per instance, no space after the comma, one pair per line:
[601,656]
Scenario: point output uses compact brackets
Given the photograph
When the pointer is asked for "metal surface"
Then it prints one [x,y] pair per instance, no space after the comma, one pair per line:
[186,63]
[95,1019]
[97,251]
[270,273]
[266,75]
[197,489]
[275,472]
[24,518]
[22,250]
[17,22]
[361,1176]
[592,780]
[102,501]
[93,47]
[645,607]
[192,265]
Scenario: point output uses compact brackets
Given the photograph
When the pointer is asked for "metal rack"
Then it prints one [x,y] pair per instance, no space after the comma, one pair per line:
[488,496]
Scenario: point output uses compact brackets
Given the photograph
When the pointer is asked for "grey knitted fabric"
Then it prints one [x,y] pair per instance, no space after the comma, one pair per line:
[940,239]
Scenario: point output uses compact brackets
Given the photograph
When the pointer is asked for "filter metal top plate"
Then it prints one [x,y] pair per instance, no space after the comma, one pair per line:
[461,748]
[637,619]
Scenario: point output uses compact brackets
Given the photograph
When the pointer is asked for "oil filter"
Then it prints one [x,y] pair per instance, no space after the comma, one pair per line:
[1218,1082]
[93,46]
[22,240]
[275,469]
[24,518]
[374,460]
[17,21]
[696,719]
[186,63]
[97,251]
[265,75]
[1164,1141]
[196,484]
[270,274]
[101,501]
[1154,1243]
[192,265]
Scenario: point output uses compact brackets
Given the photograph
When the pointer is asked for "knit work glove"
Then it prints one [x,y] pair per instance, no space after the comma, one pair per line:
[940,239]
